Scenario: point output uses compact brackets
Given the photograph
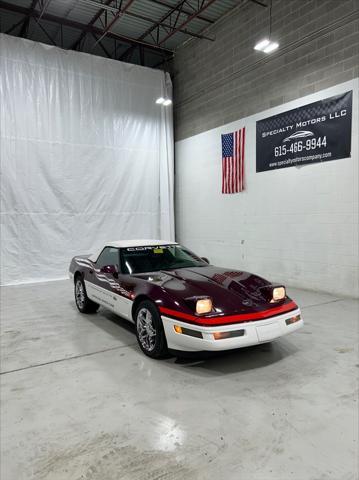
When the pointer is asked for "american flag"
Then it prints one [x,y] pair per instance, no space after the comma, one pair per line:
[233,161]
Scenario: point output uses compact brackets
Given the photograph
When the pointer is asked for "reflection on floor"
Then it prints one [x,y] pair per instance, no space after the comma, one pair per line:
[80,401]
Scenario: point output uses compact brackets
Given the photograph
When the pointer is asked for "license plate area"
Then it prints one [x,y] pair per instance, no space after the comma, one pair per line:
[268,332]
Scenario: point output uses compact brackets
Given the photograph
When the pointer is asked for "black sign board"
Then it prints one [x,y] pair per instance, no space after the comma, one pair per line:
[318,132]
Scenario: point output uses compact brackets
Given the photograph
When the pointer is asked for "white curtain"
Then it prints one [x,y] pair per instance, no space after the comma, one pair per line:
[86,157]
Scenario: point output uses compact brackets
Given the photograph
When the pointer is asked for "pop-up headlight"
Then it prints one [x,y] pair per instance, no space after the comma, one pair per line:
[203,305]
[278,294]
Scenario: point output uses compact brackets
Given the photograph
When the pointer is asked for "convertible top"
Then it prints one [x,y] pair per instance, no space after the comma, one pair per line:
[130,243]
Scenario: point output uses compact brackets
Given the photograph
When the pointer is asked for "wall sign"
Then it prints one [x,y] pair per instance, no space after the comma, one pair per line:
[318,132]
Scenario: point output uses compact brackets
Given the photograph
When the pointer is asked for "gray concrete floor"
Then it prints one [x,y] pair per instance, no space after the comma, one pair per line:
[80,401]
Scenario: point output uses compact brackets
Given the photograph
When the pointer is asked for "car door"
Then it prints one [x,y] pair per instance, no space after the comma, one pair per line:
[105,285]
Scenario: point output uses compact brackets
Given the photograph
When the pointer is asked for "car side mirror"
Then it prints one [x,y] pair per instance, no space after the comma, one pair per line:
[110,269]
[205,259]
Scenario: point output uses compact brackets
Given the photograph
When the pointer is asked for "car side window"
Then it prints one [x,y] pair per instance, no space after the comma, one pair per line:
[108,256]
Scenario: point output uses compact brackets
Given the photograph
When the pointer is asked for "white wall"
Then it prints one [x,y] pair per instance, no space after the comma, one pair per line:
[296,225]
[86,157]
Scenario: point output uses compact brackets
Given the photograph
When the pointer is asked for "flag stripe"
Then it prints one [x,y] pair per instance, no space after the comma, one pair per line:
[242,158]
[234,186]
[233,174]
[233,161]
[223,175]
[239,161]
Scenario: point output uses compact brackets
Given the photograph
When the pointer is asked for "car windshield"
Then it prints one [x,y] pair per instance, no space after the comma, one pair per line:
[155,258]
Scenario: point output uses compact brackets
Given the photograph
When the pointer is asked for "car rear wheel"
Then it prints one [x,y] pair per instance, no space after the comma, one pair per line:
[83,303]
[149,330]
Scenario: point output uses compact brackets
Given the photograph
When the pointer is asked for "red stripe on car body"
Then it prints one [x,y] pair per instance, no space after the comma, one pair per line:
[226,319]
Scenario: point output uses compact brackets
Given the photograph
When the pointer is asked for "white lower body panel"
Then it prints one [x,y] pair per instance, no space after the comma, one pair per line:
[256,332]
[117,303]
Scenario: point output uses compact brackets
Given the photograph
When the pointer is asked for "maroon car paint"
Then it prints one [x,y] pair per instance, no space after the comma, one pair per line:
[232,292]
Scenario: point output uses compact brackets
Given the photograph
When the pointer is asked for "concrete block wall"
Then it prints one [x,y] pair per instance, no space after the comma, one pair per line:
[297,226]
[222,81]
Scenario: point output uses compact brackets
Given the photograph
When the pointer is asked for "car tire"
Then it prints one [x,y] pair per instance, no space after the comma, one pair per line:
[149,330]
[83,303]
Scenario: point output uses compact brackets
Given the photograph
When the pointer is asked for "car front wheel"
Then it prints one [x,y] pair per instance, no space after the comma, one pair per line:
[83,303]
[149,330]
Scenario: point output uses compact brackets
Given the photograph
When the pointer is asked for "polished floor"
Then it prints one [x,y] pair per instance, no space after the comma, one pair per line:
[80,401]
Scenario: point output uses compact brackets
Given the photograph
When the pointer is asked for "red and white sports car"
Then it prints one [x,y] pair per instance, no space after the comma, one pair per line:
[180,302]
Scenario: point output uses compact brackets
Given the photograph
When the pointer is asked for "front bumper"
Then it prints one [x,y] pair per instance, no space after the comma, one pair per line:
[253,333]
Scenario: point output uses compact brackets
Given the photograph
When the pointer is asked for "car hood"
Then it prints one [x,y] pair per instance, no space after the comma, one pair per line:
[232,291]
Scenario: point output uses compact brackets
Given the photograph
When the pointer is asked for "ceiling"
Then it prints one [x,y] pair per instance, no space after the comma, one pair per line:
[144,32]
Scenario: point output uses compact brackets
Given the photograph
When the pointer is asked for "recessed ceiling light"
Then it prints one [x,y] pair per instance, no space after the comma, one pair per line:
[168,101]
[160,100]
[262,44]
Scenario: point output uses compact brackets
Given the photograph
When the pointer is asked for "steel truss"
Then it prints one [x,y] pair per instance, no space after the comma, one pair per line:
[109,13]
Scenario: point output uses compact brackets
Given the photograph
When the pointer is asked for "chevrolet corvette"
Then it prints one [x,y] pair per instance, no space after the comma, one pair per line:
[178,301]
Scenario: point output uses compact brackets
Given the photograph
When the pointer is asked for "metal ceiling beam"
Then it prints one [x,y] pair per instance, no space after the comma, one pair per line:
[92,22]
[45,33]
[15,25]
[102,46]
[25,26]
[45,4]
[175,8]
[84,27]
[194,15]
[115,19]
[112,9]
[258,2]
[185,11]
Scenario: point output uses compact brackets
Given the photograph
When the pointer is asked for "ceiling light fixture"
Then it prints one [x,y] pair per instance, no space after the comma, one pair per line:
[166,92]
[271,47]
[262,44]
[267,45]
[163,101]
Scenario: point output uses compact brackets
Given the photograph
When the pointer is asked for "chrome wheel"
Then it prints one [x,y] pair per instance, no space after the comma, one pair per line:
[146,329]
[80,294]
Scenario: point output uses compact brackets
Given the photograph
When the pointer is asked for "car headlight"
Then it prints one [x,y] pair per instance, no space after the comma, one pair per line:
[278,294]
[204,305]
